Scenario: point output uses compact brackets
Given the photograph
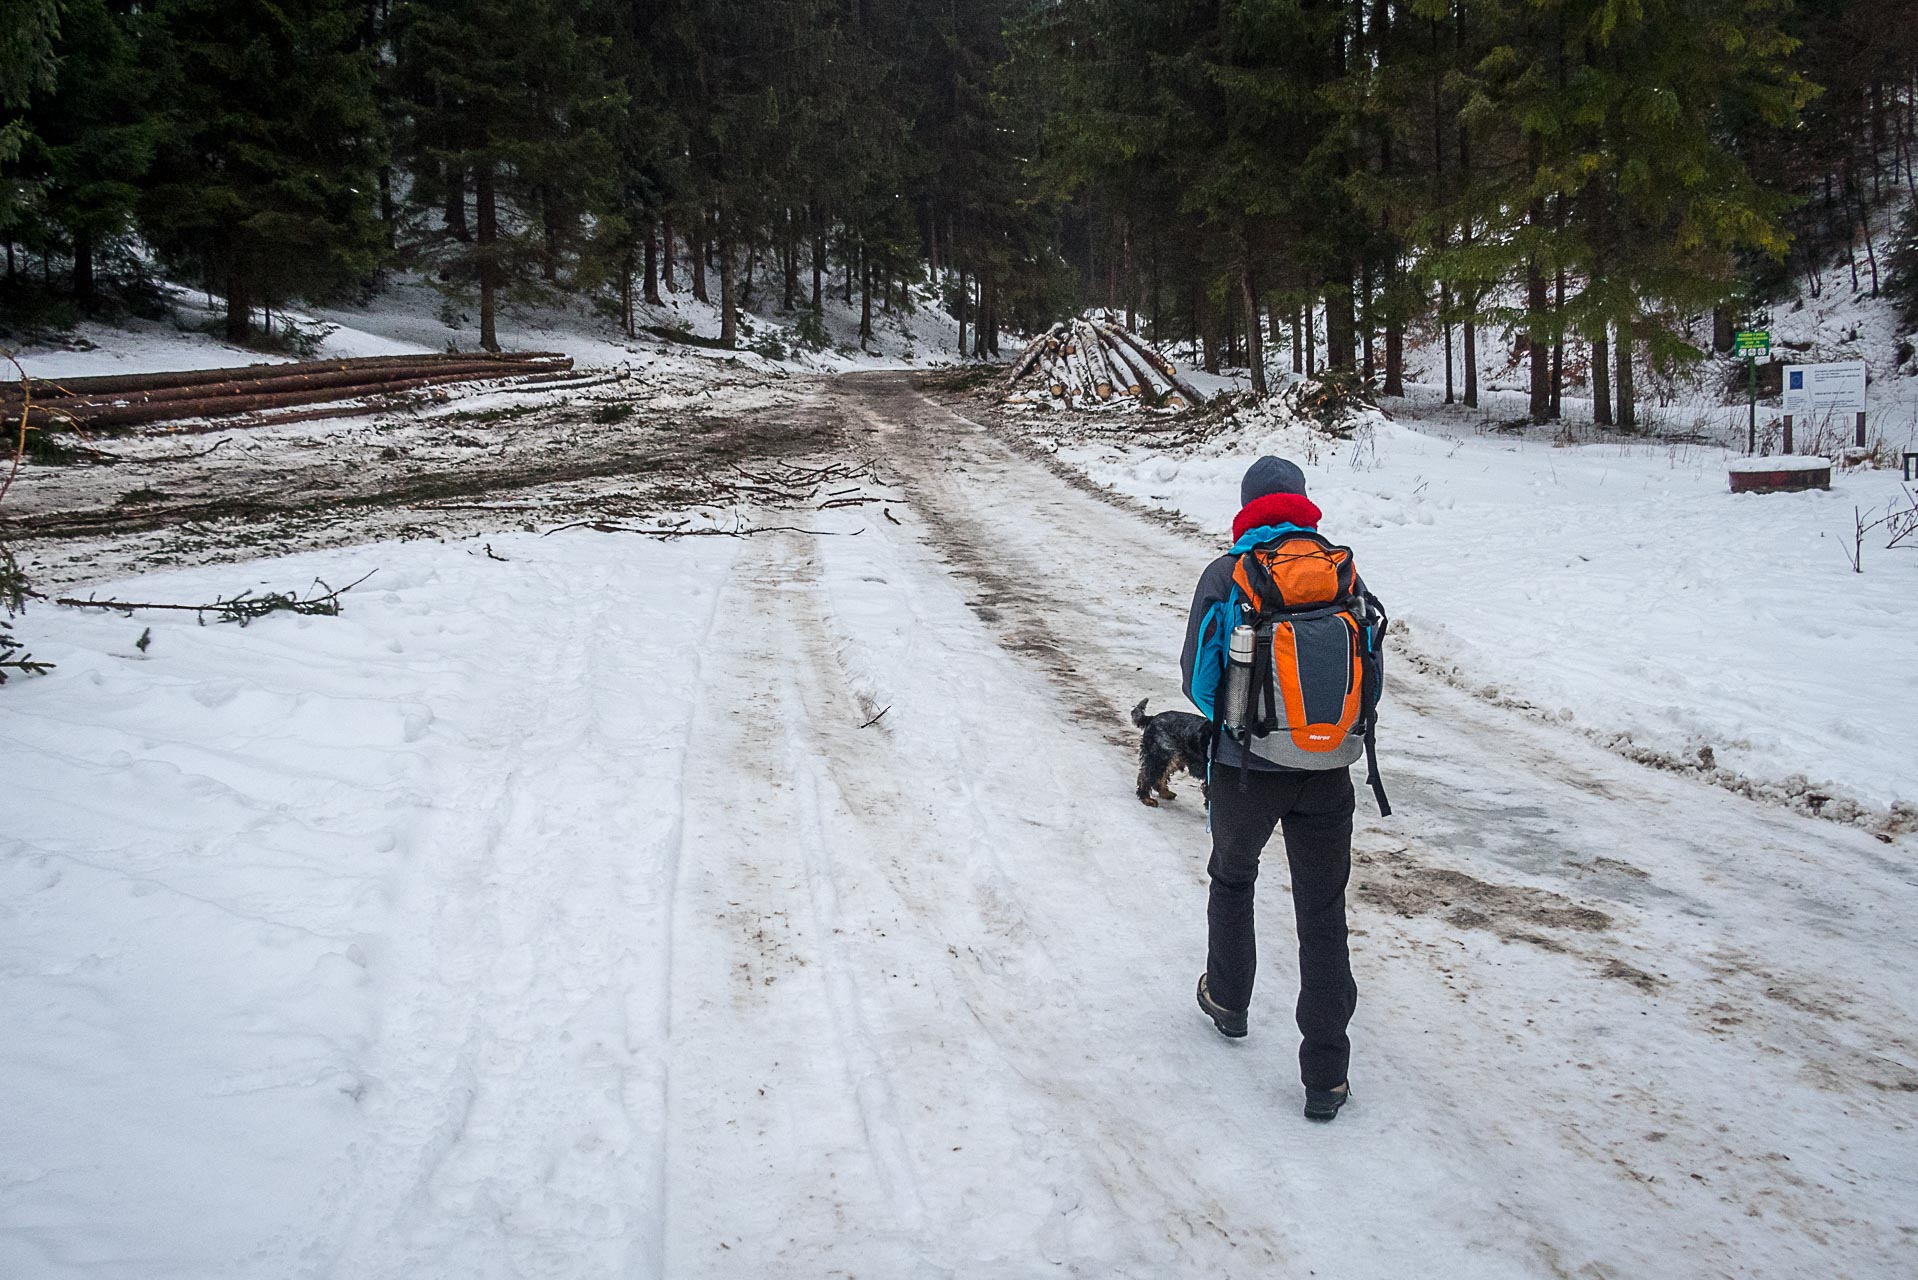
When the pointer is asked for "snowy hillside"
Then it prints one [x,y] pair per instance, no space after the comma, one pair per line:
[411,316]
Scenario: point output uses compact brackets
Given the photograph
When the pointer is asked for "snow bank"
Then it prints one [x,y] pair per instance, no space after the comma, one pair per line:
[1617,587]
[1783,462]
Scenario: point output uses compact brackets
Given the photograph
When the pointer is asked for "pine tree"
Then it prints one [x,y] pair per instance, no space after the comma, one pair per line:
[27,31]
[94,135]
[515,99]
[264,185]
[1662,202]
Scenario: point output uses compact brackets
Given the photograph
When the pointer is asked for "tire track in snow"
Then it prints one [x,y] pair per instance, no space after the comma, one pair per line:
[1533,814]
[659,1019]
[520,1078]
[1116,1190]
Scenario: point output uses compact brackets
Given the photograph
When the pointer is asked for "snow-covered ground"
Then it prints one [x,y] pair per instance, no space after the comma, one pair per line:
[1618,587]
[576,912]
[409,316]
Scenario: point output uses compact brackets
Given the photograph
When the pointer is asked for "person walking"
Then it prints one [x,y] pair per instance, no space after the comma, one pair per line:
[1282,655]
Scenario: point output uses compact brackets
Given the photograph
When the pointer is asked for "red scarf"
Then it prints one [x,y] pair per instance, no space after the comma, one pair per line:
[1277,508]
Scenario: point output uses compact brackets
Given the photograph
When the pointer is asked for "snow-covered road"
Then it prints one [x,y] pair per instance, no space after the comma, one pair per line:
[558,917]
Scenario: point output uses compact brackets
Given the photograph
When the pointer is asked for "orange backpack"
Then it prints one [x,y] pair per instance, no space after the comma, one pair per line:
[1318,665]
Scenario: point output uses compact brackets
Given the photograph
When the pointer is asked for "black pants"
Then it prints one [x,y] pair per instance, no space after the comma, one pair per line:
[1315,812]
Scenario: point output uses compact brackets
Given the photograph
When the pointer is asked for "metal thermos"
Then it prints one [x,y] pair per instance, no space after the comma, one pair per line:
[1238,681]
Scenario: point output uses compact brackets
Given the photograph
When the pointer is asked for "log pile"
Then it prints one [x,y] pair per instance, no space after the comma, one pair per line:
[1089,363]
[140,399]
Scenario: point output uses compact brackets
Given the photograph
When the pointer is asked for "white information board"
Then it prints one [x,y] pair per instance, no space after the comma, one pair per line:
[1812,389]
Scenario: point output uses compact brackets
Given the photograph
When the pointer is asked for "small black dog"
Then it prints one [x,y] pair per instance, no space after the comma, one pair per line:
[1173,740]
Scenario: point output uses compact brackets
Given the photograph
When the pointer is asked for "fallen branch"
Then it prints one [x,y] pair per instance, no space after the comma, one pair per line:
[876,719]
[243,608]
[188,456]
[767,489]
[601,526]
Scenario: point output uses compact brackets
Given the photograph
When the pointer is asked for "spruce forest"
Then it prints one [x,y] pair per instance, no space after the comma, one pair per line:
[1194,639]
[1320,176]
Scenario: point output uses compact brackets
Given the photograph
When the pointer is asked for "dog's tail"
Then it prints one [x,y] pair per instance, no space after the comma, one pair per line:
[1138,713]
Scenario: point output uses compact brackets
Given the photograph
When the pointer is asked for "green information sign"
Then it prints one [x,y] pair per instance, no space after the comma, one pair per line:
[1752,343]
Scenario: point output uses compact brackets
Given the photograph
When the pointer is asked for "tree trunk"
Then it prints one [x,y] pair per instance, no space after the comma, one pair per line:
[1312,340]
[1131,291]
[1341,327]
[1365,319]
[666,254]
[626,292]
[239,307]
[487,214]
[818,265]
[728,284]
[1445,319]
[1229,314]
[962,313]
[985,330]
[992,321]
[865,296]
[652,269]
[549,236]
[982,319]
[1627,402]
[1152,294]
[83,269]
[1723,334]
[1298,338]
[388,213]
[699,258]
[1541,398]
[456,204]
[791,298]
[1601,379]
[1394,359]
[1558,346]
[1471,364]
[1254,340]
[1208,326]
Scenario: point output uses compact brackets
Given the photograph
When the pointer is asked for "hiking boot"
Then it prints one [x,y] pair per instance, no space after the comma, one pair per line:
[1230,1022]
[1324,1104]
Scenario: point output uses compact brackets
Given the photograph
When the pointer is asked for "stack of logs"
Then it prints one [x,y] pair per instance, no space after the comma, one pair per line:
[138,399]
[1086,362]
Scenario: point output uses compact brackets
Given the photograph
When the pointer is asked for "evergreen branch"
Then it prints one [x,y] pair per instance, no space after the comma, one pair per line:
[243,608]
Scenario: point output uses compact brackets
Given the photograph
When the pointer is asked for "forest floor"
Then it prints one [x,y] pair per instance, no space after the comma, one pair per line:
[595,904]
